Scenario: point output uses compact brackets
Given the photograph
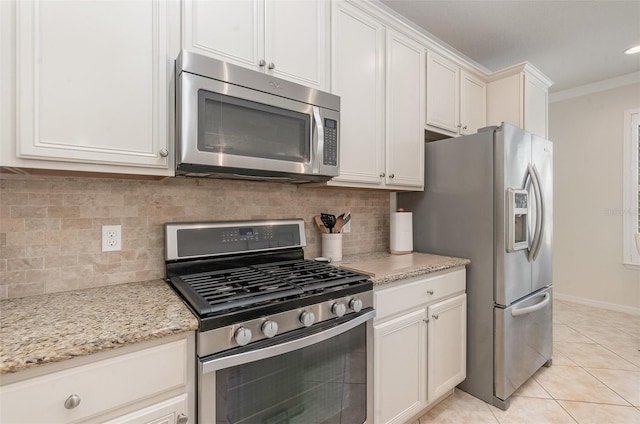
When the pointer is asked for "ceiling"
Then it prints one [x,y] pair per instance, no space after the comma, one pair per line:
[573,42]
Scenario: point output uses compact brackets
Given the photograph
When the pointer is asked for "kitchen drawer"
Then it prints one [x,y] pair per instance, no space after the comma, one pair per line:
[100,386]
[417,291]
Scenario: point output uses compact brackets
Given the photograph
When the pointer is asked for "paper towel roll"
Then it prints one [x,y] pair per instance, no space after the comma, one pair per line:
[401,233]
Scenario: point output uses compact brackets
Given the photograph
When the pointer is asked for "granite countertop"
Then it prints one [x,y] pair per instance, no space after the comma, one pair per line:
[54,327]
[384,268]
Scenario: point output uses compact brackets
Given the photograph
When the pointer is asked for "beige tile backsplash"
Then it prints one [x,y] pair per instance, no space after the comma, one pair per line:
[50,227]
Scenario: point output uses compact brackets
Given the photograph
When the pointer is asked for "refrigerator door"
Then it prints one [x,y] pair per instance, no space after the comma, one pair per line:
[523,341]
[512,152]
[542,161]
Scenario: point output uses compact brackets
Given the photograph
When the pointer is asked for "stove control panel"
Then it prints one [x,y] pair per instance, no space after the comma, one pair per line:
[193,240]
[271,326]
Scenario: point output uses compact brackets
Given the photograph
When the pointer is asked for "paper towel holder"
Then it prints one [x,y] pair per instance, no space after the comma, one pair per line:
[401,233]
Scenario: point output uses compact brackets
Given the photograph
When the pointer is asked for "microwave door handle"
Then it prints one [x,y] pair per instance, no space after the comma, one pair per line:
[317,142]
[538,229]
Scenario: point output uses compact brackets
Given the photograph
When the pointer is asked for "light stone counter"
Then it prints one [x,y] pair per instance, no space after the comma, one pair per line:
[384,268]
[54,327]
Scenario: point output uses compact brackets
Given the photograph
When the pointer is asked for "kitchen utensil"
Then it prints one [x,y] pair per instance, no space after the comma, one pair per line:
[328,220]
[347,217]
[339,224]
[320,224]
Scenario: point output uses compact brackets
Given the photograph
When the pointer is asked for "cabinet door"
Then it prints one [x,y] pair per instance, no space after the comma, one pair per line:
[535,106]
[405,111]
[229,30]
[447,363]
[166,412]
[472,103]
[443,93]
[297,41]
[358,78]
[93,82]
[400,367]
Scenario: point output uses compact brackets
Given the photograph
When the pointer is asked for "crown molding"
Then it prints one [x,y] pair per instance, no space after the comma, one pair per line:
[583,90]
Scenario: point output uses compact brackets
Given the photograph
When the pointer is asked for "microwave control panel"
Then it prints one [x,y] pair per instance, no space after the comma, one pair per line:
[330,142]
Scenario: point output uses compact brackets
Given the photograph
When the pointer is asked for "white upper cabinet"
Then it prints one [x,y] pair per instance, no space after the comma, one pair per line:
[519,95]
[286,39]
[405,111]
[93,86]
[379,75]
[456,99]
[473,103]
[358,78]
[443,93]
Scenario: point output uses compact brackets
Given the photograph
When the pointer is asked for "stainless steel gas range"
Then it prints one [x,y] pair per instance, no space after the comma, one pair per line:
[281,339]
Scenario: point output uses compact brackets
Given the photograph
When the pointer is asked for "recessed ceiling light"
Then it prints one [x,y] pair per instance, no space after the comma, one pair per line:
[633,50]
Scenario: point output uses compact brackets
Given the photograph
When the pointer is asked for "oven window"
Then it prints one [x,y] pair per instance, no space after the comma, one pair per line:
[323,383]
[234,126]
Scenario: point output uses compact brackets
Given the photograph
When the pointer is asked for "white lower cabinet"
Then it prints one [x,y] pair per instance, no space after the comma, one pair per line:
[447,345]
[172,411]
[402,387]
[149,385]
[419,343]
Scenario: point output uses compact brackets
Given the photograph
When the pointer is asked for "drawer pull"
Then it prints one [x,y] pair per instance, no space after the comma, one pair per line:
[430,292]
[182,419]
[435,316]
[72,401]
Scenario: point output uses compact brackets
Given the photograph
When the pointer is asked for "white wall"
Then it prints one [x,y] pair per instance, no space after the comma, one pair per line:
[588,136]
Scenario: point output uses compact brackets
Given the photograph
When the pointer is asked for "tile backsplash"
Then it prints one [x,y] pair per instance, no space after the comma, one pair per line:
[50,227]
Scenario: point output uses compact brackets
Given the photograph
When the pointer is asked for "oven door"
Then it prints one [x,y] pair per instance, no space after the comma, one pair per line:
[233,129]
[322,375]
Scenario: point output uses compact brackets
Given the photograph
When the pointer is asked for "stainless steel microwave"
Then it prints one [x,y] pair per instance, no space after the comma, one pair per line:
[238,123]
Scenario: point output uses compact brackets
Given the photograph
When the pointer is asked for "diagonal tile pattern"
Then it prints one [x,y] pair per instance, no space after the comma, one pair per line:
[595,376]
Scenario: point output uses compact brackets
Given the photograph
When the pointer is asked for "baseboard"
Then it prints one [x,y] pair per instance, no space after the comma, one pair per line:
[598,304]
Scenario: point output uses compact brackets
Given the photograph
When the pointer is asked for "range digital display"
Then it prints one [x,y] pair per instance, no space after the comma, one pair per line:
[245,231]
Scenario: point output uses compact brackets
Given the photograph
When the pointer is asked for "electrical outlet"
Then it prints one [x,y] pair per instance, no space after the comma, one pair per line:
[111,238]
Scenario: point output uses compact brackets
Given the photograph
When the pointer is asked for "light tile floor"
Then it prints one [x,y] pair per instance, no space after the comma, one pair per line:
[595,376]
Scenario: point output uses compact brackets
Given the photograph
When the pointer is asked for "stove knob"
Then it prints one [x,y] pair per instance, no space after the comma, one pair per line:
[269,328]
[339,309]
[307,318]
[242,336]
[355,304]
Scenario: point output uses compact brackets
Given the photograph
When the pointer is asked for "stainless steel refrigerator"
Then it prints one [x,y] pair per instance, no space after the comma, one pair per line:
[489,197]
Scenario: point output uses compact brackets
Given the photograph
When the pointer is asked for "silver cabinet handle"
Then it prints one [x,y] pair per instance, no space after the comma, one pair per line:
[464,128]
[164,152]
[435,316]
[426,321]
[262,63]
[392,175]
[72,401]
[430,292]
[182,419]
[382,175]
[271,65]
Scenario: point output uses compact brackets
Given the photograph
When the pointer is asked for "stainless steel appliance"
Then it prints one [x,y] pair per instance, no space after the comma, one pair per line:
[281,339]
[235,122]
[489,197]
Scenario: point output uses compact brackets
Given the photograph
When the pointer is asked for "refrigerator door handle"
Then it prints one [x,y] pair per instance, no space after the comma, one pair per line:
[537,236]
[523,311]
[541,212]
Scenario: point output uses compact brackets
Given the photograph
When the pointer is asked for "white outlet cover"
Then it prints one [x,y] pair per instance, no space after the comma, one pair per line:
[111,238]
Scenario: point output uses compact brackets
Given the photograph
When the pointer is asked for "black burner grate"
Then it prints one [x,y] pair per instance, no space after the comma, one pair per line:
[223,290]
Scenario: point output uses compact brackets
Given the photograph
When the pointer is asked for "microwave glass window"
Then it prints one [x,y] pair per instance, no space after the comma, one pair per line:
[233,126]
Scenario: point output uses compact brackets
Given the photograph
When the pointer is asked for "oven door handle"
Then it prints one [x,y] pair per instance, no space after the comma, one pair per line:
[256,355]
